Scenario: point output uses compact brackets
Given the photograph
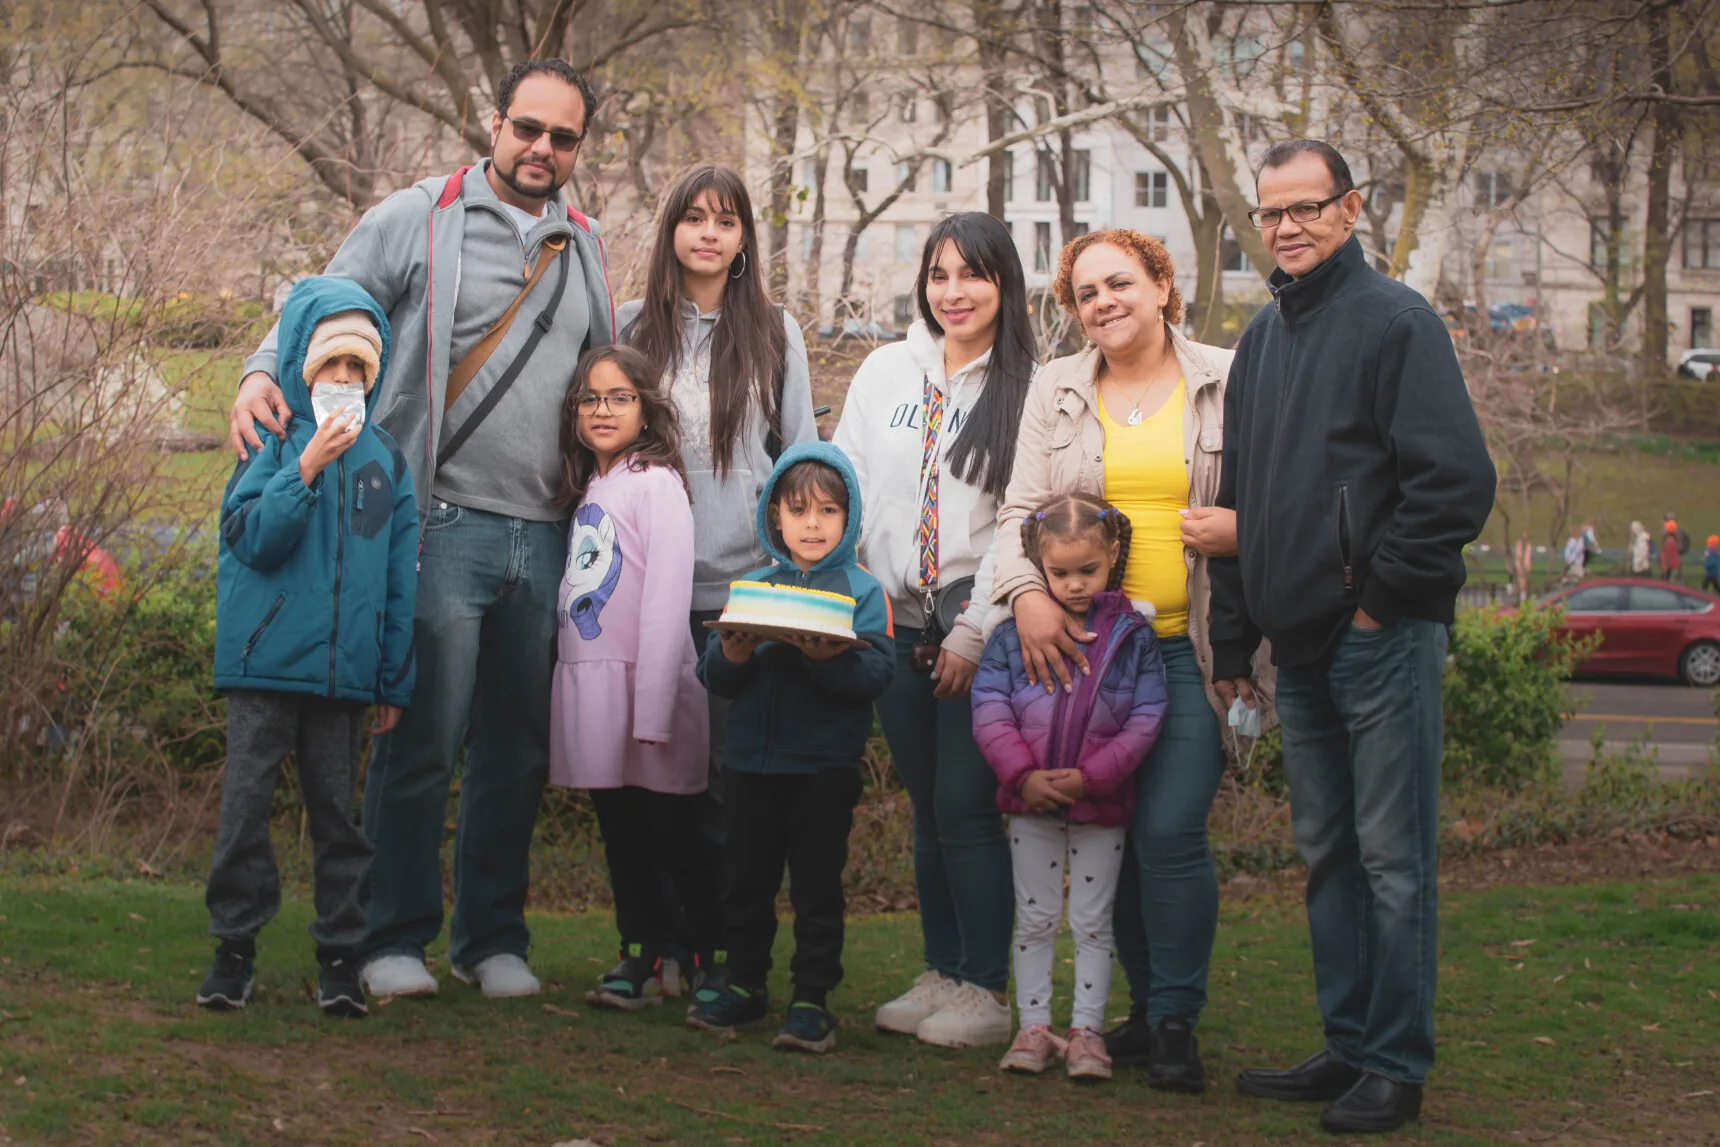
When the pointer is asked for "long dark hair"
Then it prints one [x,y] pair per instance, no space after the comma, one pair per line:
[659,441]
[749,343]
[984,452]
[1069,516]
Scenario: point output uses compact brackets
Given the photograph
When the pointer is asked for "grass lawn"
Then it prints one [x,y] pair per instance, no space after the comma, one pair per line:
[1573,1014]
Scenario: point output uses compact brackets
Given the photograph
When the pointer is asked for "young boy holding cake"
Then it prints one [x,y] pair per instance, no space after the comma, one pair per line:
[804,648]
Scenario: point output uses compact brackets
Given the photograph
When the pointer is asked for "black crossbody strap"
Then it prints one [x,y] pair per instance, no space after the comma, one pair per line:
[540,327]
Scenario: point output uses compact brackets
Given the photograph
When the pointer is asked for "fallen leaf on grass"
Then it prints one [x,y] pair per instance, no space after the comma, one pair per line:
[1524,943]
[1696,1094]
[421,1131]
[1544,1039]
[1586,963]
[279,1124]
[136,917]
[1556,979]
[555,1011]
[1654,1027]
[728,1070]
[729,1036]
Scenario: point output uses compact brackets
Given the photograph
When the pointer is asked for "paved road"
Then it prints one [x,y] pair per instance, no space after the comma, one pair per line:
[1679,721]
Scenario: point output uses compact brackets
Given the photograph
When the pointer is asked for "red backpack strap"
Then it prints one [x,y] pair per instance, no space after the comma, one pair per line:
[579,220]
[451,189]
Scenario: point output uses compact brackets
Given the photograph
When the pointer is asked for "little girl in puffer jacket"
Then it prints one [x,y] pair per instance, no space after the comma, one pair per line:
[1064,762]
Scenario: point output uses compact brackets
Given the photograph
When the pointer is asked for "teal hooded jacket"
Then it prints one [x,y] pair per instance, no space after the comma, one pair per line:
[791,714]
[316,584]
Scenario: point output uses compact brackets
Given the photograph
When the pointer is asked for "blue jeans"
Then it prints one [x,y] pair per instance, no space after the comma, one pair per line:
[961,856]
[485,639]
[1167,893]
[1362,745]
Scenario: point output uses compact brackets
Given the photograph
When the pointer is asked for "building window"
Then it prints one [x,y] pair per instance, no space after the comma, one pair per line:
[907,174]
[1078,228]
[1492,189]
[1042,246]
[861,102]
[907,107]
[1152,188]
[1701,327]
[907,247]
[1499,259]
[941,175]
[1702,244]
[1151,59]
[1600,239]
[907,37]
[809,173]
[1045,177]
[1231,256]
[944,105]
[860,36]
[1083,176]
[1156,123]
[1007,158]
[860,180]
[806,232]
[1041,109]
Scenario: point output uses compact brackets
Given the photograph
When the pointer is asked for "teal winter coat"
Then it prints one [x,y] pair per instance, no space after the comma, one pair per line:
[316,584]
[789,713]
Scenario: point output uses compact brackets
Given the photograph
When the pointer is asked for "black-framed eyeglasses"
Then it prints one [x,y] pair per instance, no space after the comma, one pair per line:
[619,403]
[527,131]
[1264,218]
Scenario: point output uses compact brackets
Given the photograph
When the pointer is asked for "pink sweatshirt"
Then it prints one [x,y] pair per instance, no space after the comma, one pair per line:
[625,663]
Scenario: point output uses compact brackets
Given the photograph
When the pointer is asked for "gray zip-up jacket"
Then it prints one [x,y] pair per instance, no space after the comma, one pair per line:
[724,546]
[406,251]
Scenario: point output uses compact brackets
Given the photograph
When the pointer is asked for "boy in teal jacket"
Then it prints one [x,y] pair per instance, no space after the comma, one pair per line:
[800,715]
[316,586]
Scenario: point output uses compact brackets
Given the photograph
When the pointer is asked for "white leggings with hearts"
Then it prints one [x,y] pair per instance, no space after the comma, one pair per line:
[1040,847]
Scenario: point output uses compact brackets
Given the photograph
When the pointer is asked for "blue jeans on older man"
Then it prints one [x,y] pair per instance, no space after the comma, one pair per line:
[484,634]
[1362,747]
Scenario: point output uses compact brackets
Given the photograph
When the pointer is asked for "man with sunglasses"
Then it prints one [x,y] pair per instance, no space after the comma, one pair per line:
[493,286]
[1358,472]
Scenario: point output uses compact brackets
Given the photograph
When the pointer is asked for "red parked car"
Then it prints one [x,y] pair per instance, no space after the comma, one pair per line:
[1650,628]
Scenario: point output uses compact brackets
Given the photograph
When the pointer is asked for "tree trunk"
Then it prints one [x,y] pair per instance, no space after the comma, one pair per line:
[1657,224]
[785,37]
[815,256]
[993,65]
[1206,313]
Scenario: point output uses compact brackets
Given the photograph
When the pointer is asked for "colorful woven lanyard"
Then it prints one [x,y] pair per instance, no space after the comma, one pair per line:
[931,420]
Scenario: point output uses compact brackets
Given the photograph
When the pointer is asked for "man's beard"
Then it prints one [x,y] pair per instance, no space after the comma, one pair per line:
[512,180]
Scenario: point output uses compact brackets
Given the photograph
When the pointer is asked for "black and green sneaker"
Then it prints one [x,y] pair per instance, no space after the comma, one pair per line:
[635,982]
[710,978]
[808,1027]
[228,986]
[733,1007]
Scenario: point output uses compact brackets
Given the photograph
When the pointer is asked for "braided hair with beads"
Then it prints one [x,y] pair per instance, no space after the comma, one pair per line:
[1069,516]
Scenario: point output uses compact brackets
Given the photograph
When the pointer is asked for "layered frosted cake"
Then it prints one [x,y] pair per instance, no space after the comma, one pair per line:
[789,607]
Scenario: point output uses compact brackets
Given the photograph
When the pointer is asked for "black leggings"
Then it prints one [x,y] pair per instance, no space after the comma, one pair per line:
[662,871]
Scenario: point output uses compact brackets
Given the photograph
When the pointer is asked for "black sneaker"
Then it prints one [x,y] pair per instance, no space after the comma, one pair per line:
[733,1007]
[808,1027]
[227,987]
[634,983]
[1174,1064]
[339,991]
[710,982]
[1130,1043]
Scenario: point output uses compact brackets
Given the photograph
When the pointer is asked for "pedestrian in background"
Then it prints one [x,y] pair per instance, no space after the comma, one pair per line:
[1641,557]
[1671,555]
[1711,565]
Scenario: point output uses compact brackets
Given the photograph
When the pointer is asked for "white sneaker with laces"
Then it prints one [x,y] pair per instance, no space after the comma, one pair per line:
[972,1017]
[500,977]
[905,1013]
[398,975]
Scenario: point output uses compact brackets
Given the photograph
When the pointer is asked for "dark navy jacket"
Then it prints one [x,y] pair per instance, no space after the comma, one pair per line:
[792,714]
[317,583]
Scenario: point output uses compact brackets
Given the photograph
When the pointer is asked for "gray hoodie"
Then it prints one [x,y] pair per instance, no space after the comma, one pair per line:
[408,252]
[724,545]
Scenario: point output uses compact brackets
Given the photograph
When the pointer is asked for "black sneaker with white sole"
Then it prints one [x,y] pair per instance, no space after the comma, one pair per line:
[228,986]
[340,991]
[636,982]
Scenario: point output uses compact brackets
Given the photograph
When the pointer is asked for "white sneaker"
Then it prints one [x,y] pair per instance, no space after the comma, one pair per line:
[388,976]
[500,977]
[905,1013]
[971,1018]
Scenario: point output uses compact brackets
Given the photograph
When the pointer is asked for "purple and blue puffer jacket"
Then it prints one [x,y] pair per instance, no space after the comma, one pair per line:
[1104,728]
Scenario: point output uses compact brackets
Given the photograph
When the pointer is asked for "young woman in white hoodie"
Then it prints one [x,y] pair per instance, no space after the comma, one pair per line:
[930,425]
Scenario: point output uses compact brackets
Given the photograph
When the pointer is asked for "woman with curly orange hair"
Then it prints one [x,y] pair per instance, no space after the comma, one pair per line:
[1136,418]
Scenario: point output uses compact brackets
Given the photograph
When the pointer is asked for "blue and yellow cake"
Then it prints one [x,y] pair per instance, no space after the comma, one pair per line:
[789,608]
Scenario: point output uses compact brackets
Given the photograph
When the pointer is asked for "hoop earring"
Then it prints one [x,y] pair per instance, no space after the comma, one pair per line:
[742,269]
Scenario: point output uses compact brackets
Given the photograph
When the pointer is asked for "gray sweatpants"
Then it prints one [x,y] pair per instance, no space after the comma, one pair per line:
[324,736]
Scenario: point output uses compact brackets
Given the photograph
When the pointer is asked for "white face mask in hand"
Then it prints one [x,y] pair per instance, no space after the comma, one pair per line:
[330,398]
[1244,718]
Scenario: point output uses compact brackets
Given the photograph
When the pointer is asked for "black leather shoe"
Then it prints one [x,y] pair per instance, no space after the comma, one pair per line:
[1175,1058]
[1130,1043]
[1377,1103]
[1318,1079]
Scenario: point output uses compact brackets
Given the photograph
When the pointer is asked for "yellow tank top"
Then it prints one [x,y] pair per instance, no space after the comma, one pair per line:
[1146,478]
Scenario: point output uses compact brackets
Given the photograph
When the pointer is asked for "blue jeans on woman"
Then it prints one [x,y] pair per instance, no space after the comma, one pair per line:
[1167,894]
[961,855]
[1363,739]
[484,635]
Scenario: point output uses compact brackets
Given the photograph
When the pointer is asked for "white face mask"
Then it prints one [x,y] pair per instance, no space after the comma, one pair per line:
[330,398]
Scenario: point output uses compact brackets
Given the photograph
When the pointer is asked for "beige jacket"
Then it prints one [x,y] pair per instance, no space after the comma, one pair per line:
[1062,449]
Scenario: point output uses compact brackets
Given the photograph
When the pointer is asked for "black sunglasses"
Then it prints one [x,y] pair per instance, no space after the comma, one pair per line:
[559,138]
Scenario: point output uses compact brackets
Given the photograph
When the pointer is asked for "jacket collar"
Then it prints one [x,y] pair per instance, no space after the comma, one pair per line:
[927,350]
[1298,297]
[476,189]
[1082,376]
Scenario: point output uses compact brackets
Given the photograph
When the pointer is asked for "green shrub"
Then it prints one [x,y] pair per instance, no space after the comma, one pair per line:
[1506,697]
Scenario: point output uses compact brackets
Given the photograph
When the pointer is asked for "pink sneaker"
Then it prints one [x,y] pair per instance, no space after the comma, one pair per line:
[1086,1056]
[1035,1049]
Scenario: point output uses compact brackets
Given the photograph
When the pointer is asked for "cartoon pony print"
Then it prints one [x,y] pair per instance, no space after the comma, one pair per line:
[593,567]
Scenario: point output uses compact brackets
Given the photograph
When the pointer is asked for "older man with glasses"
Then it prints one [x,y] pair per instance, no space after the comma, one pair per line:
[473,397]
[1358,473]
